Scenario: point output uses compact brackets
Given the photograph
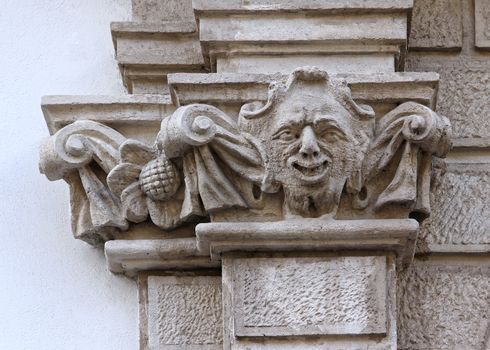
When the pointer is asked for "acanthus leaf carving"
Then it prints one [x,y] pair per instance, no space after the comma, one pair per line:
[310,146]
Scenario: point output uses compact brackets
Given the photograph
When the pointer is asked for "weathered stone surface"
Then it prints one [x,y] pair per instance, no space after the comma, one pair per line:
[130,256]
[444,305]
[236,88]
[170,44]
[184,313]
[320,300]
[281,33]
[309,296]
[436,24]
[205,162]
[463,93]
[460,207]
[482,24]
[296,27]
[342,63]
[118,112]
[238,6]
[146,52]
[308,235]
[162,10]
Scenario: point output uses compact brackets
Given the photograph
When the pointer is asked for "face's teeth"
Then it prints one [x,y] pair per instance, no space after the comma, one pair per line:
[310,171]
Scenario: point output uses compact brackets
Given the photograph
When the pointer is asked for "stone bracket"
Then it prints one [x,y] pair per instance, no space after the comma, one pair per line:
[397,235]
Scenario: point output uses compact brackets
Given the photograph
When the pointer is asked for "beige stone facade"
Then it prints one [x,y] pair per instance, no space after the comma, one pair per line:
[291,174]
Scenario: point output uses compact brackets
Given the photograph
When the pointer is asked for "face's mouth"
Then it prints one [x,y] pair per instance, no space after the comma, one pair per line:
[311,171]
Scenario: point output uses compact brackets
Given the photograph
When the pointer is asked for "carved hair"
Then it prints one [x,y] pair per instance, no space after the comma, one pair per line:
[279,90]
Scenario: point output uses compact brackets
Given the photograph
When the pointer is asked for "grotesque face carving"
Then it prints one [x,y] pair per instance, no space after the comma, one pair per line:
[316,137]
[312,148]
[309,141]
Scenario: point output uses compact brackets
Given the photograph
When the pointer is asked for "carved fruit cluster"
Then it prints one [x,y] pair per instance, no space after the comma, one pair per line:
[159,179]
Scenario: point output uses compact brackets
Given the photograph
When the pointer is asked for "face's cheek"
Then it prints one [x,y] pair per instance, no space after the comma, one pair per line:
[280,155]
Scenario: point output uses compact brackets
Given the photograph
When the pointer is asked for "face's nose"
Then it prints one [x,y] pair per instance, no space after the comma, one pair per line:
[309,144]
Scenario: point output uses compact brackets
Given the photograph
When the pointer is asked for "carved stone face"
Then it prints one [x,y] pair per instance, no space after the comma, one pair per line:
[312,147]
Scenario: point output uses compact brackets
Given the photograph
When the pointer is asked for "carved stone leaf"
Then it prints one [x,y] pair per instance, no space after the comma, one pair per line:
[166,214]
[134,203]
[136,152]
[122,176]
[105,209]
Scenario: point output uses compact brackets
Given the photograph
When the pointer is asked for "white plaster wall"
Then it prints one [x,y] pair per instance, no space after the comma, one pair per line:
[55,291]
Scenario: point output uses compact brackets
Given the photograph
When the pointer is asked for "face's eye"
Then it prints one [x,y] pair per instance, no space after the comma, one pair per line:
[286,135]
[332,134]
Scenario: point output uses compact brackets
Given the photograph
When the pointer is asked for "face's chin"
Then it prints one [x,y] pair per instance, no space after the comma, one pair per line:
[309,172]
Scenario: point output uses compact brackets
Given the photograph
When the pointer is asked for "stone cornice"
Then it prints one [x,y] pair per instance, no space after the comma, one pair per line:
[233,88]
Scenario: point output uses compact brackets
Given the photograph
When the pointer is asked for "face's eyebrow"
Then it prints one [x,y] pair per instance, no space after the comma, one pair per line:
[324,121]
[292,120]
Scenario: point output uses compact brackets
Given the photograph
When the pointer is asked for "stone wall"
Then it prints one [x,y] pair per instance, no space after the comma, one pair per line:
[443,294]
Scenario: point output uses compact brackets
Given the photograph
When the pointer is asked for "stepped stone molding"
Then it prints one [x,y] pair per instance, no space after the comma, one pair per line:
[235,33]
[147,52]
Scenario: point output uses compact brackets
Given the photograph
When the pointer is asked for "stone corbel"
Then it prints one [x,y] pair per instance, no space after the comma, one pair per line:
[204,163]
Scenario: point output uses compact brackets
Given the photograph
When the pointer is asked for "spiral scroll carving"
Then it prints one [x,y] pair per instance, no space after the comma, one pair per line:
[77,145]
[193,125]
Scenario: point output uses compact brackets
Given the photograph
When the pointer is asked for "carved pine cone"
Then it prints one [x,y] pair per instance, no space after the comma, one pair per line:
[159,179]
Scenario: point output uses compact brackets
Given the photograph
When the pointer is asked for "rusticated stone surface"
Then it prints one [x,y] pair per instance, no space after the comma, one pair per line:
[436,24]
[463,93]
[306,296]
[184,312]
[482,24]
[444,307]
[460,207]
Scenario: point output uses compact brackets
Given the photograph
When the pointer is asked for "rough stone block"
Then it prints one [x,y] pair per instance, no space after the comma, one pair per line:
[482,24]
[460,209]
[309,296]
[436,24]
[184,313]
[444,305]
[463,93]
[162,10]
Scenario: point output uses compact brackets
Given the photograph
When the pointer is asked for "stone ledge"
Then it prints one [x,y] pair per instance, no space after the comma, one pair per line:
[238,6]
[155,28]
[309,235]
[230,88]
[131,256]
[123,109]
